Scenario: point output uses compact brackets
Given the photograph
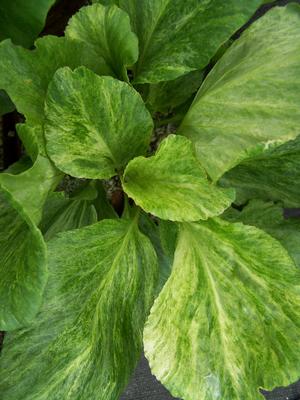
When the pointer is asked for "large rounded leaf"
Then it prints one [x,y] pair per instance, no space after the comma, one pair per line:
[173,185]
[250,100]
[227,321]
[23,268]
[176,36]
[25,76]
[94,125]
[87,339]
[107,33]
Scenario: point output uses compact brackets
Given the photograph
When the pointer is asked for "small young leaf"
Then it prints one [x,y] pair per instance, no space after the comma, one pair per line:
[173,185]
[176,36]
[87,338]
[107,33]
[94,125]
[269,217]
[103,207]
[275,175]
[62,214]
[224,322]
[250,100]
[22,20]
[23,268]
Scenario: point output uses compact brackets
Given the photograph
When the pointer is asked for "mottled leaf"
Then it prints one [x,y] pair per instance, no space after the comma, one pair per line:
[270,217]
[25,76]
[31,187]
[22,20]
[173,185]
[23,268]
[176,37]
[94,125]
[63,214]
[250,100]
[107,33]
[274,175]
[87,338]
[227,320]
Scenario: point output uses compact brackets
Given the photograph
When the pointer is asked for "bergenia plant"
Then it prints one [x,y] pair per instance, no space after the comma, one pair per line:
[198,266]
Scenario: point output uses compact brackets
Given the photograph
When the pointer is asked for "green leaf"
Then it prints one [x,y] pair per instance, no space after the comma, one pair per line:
[32,138]
[23,268]
[87,338]
[103,207]
[31,187]
[172,184]
[23,164]
[224,322]
[23,21]
[270,218]
[6,105]
[164,258]
[247,104]
[177,37]
[165,96]
[107,2]
[168,233]
[274,175]
[107,33]
[25,76]
[63,214]
[94,125]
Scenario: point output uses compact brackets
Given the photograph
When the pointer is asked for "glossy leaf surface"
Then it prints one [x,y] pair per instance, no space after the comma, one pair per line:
[94,125]
[247,104]
[22,264]
[173,185]
[22,20]
[224,322]
[176,37]
[107,33]
[87,338]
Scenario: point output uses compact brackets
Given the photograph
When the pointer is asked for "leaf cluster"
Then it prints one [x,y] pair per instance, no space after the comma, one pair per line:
[155,106]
